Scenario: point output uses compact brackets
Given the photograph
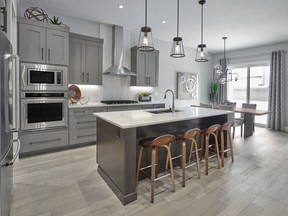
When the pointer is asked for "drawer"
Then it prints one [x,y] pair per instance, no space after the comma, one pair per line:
[159,106]
[82,122]
[124,108]
[150,106]
[43,140]
[79,111]
[98,109]
[82,136]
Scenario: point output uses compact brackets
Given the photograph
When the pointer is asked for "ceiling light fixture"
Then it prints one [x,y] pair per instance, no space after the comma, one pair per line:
[120,6]
[223,73]
[145,43]
[202,52]
[163,21]
[177,50]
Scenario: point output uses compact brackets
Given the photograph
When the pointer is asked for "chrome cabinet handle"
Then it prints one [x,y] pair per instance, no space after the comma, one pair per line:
[87,77]
[42,54]
[83,77]
[4,26]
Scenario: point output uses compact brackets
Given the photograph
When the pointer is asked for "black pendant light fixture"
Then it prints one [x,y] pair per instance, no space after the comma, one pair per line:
[202,52]
[145,43]
[177,50]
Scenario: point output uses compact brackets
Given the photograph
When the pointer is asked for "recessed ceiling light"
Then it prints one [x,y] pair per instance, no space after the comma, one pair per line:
[120,6]
[163,21]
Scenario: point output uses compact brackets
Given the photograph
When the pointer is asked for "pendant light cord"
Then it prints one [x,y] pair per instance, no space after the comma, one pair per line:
[224,48]
[145,13]
[177,18]
[201,23]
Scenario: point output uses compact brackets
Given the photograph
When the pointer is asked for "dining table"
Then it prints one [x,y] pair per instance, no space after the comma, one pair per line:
[249,118]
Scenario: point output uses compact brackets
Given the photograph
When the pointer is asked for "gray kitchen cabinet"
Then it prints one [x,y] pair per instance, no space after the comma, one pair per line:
[146,67]
[41,140]
[42,42]
[86,54]
[82,125]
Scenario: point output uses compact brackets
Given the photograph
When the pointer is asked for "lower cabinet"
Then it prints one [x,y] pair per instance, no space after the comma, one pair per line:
[82,125]
[36,141]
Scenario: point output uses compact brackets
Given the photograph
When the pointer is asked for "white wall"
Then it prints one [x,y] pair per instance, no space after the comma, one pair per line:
[115,87]
[255,54]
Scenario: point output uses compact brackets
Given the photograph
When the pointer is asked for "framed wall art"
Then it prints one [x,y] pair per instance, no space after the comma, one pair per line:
[187,85]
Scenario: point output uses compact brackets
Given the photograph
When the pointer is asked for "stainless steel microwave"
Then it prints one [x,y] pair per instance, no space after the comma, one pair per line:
[41,77]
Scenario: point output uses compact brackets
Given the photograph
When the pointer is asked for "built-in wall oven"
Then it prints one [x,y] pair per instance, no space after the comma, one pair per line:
[43,110]
[41,77]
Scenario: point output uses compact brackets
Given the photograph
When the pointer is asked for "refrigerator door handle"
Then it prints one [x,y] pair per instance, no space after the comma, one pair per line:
[10,163]
[15,93]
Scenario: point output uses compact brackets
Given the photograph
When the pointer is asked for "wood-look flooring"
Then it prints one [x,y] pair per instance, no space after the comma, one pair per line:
[66,183]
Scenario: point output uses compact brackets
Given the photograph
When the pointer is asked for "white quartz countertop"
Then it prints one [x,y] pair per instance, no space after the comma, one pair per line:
[78,105]
[138,118]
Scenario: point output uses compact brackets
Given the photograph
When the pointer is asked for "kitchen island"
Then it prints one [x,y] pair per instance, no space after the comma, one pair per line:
[119,132]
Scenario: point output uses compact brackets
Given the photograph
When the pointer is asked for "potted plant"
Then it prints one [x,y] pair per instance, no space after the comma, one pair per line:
[213,94]
[144,96]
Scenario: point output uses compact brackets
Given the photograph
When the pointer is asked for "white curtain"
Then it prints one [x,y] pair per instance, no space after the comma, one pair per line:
[277,91]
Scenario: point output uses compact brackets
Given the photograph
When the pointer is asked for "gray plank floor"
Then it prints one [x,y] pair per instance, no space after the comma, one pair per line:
[66,183]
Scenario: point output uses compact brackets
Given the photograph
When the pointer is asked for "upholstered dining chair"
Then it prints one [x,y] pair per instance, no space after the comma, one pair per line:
[242,118]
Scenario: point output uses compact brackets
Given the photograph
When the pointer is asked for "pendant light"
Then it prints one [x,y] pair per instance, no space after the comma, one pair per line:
[202,52]
[224,74]
[145,43]
[177,50]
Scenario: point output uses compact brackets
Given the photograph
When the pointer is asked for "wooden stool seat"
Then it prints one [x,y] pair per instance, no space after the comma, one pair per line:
[226,127]
[163,141]
[211,131]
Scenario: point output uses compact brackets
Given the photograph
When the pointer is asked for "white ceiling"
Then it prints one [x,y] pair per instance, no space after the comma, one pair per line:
[246,23]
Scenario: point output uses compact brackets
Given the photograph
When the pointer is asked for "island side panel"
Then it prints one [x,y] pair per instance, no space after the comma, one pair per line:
[116,158]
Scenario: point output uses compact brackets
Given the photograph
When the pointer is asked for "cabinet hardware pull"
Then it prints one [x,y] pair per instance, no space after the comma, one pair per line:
[87,77]
[86,122]
[42,54]
[83,77]
[48,54]
[82,111]
[45,141]
[88,135]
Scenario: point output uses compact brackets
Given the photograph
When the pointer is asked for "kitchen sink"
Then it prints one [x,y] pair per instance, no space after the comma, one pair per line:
[163,111]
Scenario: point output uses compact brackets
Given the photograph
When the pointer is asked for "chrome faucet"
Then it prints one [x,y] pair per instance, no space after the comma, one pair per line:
[173,98]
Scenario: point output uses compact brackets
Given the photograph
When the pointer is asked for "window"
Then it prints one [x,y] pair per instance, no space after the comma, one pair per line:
[251,87]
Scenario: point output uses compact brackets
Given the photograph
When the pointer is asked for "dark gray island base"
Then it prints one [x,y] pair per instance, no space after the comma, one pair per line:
[117,149]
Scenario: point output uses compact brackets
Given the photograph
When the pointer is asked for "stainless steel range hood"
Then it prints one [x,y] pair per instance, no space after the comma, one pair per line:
[117,69]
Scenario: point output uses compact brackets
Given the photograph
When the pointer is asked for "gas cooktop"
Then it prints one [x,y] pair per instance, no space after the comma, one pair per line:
[119,101]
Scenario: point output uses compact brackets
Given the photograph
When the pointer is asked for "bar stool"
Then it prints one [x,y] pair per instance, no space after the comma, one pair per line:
[189,135]
[226,127]
[163,141]
[212,130]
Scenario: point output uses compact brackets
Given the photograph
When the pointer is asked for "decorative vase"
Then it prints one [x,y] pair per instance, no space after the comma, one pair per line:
[213,98]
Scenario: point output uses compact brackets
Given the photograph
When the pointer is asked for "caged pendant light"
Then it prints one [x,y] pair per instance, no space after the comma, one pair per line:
[177,50]
[202,52]
[145,43]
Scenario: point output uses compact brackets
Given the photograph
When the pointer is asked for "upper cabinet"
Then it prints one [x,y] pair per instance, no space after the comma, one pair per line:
[86,64]
[43,42]
[146,67]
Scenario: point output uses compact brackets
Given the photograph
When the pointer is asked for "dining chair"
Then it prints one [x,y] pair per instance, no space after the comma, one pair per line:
[242,117]
[232,118]
[206,105]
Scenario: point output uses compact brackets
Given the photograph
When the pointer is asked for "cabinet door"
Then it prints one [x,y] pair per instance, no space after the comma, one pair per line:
[152,72]
[77,53]
[32,43]
[57,47]
[141,68]
[93,63]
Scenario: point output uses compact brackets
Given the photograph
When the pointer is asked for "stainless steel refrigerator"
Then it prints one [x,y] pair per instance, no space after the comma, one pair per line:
[9,117]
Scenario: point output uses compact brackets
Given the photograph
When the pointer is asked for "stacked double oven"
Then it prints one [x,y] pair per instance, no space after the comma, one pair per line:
[44,104]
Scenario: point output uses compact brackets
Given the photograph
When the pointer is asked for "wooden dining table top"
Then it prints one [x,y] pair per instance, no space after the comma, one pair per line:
[251,111]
